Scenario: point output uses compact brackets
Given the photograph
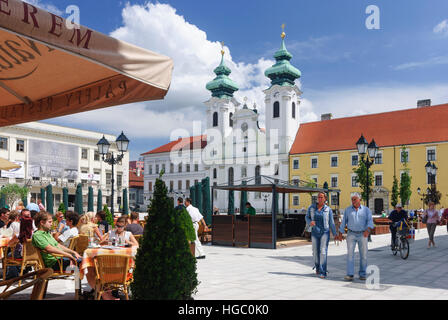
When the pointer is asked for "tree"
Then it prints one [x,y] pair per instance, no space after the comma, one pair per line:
[361,178]
[395,192]
[13,193]
[62,208]
[165,269]
[109,217]
[433,195]
[405,182]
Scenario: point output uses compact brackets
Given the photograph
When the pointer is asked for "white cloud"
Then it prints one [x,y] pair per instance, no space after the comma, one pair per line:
[442,28]
[440,60]
[46,6]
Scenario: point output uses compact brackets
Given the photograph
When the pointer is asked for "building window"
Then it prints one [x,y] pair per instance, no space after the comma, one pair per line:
[171,168]
[431,154]
[20,145]
[295,200]
[354,160]
[96,155]
[404,155]
[179,168]
[163,167]
[313,162]
[150,186]
[157,169]
[378,180]
[195,182]
[334,199]
[215,173]
[179,185]
[257,175]
[276,167]
[334,182]
[119,180]
[150,169]
[295,164]
[231,176]
[108,178]
[334,161]
[196,167]
[187,184]
[215,192]
[230,119]
[276,110]
[293,110]
[84,153]
[313,199]
[188,167]
[215,119]
[3,143]
[354,182]
[379,158]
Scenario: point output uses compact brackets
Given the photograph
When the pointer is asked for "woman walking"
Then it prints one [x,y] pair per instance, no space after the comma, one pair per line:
[432,216]
[320,218]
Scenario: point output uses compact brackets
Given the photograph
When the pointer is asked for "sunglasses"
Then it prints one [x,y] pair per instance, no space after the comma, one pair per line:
[118,226]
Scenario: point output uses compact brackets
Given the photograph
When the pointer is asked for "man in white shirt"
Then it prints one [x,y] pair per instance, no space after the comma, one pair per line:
[64,238]
[197,219]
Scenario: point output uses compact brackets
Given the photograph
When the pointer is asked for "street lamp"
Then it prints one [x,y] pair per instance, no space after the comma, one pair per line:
[103,149]
[431,170]
[265,199]
[369,151]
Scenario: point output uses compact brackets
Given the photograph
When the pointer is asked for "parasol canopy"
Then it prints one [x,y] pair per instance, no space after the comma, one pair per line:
[49,68]
[8,165]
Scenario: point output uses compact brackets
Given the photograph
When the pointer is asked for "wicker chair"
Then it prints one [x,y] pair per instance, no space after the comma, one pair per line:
[112,273]
[9,261]
[82,242]
[72,243]
[39,284]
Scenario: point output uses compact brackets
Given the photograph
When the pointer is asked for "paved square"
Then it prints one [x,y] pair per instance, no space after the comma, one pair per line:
[230,273]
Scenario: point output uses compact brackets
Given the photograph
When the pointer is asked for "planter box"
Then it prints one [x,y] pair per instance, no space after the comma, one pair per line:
[381,229]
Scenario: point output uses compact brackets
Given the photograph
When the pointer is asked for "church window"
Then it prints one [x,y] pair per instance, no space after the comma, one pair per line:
[276,109]
[293,110]
[215,119]
[231,119]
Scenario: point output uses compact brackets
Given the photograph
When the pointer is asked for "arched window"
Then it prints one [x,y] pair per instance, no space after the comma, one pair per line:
[215,119]
[243,172]
[215,173]
[231,119]
[257,175]
[293,110]
[276,113]
[231,176]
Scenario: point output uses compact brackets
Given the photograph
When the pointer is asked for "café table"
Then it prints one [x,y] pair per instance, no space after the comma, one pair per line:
[91,253]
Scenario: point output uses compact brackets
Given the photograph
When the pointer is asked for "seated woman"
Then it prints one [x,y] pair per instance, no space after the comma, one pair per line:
[101,221]
[88,227]
[120,235]
[62,224]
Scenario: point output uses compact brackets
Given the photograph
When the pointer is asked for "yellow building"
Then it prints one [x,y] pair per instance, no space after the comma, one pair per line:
[325,151]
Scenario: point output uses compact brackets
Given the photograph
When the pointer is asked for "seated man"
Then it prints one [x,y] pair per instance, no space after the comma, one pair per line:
[43,240]
[395,216]
[72,221]
[134,227]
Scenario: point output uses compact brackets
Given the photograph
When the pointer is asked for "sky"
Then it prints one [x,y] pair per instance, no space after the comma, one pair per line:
[347,69]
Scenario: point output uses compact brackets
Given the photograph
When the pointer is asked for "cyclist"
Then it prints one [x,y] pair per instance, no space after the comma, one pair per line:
[396,216]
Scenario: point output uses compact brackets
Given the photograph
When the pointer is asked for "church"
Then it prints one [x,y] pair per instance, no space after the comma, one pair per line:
[234,148]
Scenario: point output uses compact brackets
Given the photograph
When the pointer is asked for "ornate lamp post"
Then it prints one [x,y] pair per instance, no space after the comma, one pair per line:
[265,199]
[431,170]
[103,149]
[369,151]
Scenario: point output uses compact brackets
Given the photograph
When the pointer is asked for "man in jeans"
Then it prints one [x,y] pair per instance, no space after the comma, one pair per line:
[395,216]
[359,222]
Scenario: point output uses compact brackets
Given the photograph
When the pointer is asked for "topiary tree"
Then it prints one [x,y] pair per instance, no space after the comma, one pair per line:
[405,182]
[165,269]
[361,178]
[395,193]
[62,208]
[109,217]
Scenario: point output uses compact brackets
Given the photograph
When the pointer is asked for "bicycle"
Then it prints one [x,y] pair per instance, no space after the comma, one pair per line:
[403,245]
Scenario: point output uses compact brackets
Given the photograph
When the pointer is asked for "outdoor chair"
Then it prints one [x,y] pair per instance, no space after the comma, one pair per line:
[9,261]
[72,243]
[112,273]
[81,244]
[39,284]
[138,237]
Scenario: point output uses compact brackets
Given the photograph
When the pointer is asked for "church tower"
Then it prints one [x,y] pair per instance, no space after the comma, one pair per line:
[282,102]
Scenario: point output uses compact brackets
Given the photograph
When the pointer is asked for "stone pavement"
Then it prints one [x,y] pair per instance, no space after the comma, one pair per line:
[286,274]
[230,273]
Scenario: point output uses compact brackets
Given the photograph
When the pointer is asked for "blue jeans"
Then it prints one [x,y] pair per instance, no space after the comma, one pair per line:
[320,251]
[354,238]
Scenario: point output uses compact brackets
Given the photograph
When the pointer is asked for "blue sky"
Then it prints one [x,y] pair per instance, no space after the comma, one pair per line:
[346,68]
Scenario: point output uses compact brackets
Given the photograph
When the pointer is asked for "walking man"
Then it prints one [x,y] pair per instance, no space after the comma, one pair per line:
[197,219]
[359,222]
[320,217]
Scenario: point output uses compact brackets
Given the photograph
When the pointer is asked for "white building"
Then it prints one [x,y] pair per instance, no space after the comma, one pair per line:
[63,157]
[234,148]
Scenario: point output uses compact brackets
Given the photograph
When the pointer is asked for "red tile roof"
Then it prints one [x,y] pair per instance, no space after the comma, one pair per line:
[189,143]
[134,180]
[396,128]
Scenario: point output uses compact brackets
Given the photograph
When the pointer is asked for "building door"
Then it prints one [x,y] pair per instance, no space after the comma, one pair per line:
[379,205]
